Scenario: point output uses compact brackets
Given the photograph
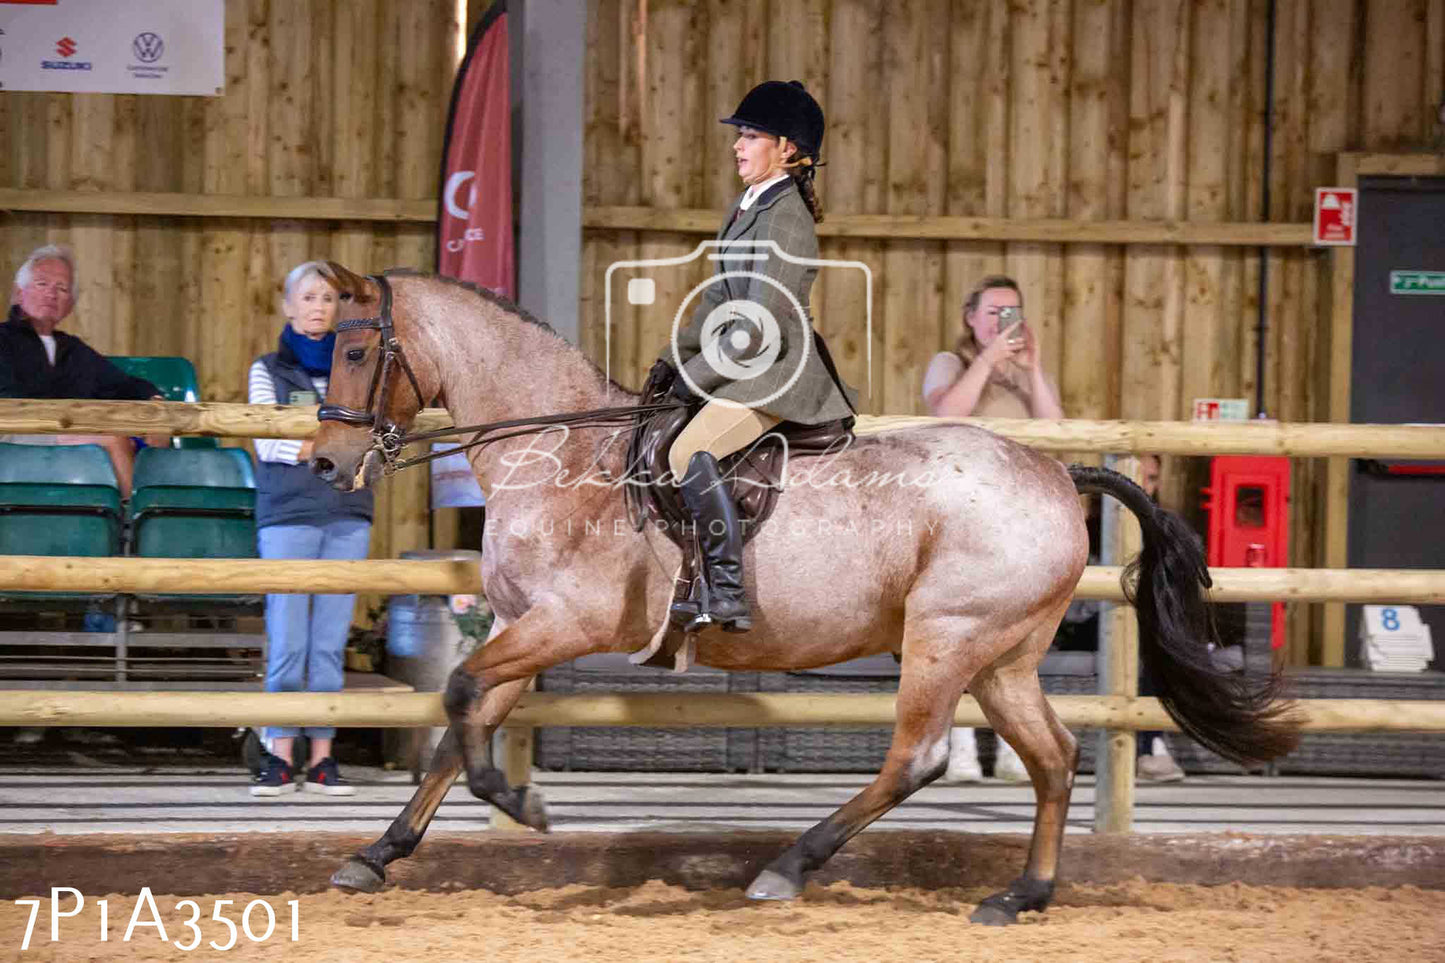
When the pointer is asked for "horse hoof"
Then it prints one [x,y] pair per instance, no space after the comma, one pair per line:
[534,810]
[356,876]
[987,915]
[773,885]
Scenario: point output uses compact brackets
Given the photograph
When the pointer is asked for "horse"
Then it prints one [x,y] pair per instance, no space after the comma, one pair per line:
[950,547]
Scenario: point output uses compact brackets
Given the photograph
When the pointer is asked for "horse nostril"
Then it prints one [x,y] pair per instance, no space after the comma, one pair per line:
[323,468]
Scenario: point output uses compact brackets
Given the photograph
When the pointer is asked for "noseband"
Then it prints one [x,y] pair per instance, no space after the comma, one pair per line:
[386,434]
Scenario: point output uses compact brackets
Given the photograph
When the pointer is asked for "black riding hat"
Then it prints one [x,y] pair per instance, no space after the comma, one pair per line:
[783,110]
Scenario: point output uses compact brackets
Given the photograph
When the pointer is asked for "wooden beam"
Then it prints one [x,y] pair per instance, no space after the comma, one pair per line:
[1119,675]
[167,204]
[1337,470]
[38,573]
[242,576]
[21,707]
[959,228]
[221,420]
[1194,438]
[684,220]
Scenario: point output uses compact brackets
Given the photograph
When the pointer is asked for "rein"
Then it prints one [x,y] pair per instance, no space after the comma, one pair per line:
[386,435]
[620,417]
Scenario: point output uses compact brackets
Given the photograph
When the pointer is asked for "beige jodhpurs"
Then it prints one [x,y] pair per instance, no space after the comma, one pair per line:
[720,428]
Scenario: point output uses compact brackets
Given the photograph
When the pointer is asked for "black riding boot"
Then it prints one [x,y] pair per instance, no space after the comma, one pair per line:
[720,532]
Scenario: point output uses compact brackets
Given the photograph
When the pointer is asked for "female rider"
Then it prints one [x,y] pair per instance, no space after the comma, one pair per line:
[749,356]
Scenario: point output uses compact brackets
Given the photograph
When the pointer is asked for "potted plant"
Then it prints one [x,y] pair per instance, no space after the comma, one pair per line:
[474,621]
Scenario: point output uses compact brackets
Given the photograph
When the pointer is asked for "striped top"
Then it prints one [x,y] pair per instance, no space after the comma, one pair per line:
[262,391]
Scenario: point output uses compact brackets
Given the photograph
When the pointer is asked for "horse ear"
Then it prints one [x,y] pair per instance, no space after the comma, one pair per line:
[350,286]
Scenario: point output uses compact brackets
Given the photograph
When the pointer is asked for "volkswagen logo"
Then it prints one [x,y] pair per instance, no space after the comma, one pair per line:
[148,47]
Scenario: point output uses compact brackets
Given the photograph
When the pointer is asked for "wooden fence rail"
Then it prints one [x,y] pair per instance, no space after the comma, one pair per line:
[46,573]
[22,707]
[1161,437]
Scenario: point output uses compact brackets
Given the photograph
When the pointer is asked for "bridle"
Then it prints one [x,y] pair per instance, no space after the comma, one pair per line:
[386,435]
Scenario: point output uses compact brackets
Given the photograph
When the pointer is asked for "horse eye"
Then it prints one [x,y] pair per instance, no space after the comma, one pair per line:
[355,354]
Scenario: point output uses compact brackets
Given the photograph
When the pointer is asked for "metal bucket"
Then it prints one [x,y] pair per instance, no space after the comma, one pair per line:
[423,643]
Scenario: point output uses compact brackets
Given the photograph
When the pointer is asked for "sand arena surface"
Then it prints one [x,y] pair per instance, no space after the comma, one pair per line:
[1131,921]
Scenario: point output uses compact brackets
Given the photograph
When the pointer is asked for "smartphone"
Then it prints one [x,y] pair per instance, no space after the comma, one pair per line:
[1009,319]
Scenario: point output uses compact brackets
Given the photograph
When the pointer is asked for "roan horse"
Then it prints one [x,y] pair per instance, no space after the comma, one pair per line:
[948,546]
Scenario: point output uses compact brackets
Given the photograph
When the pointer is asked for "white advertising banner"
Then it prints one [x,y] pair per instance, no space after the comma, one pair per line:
[114,46]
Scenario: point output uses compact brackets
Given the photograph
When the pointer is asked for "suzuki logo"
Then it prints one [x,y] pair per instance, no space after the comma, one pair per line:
[147,47]
[65,46]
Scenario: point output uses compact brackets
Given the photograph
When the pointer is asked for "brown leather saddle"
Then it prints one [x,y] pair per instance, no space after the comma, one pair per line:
[754,476]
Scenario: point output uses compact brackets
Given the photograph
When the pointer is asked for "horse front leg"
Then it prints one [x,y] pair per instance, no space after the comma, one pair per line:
[483,690]
[476,711]
[366,871]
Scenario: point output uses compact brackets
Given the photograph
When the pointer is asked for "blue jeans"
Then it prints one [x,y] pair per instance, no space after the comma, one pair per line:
[307,633]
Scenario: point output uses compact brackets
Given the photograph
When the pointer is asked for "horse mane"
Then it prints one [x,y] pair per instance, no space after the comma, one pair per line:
[510,307]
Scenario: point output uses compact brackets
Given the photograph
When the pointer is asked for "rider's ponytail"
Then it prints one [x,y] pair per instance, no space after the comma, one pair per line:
[803,170]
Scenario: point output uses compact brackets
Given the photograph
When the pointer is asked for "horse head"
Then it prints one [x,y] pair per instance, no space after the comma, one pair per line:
[376,388]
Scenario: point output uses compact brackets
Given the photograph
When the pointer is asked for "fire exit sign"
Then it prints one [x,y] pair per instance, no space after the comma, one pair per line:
[1417,282]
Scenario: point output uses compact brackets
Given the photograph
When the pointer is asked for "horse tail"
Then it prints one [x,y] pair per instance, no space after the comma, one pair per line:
[1236,715]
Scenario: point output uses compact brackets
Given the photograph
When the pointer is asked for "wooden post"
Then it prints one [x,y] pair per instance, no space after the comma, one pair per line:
[516,751]
[1119,648]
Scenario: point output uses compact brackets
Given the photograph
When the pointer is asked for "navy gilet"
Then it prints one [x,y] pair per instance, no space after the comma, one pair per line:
[290,494]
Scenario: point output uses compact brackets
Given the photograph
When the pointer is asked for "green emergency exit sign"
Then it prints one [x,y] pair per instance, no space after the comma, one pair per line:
[1417,282]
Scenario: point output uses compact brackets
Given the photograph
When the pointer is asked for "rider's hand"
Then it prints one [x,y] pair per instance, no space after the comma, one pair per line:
[307,447]
[681,392]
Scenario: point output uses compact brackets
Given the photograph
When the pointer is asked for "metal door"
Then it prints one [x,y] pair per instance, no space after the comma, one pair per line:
[1397,509]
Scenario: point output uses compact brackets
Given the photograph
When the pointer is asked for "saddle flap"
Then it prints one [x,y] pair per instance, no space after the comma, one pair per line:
[753,475]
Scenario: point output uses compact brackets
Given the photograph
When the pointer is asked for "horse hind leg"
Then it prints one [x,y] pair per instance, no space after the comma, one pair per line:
[917,756]
[1017,710]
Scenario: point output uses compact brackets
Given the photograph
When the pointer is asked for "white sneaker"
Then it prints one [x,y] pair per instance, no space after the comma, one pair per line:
[1158,766]
[962,757]
[1008,766]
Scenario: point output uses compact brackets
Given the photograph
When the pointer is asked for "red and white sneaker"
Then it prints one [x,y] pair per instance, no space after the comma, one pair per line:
[275,779]
[326,779]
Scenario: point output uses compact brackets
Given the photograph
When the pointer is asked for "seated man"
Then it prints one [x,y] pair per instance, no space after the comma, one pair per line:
[37,361]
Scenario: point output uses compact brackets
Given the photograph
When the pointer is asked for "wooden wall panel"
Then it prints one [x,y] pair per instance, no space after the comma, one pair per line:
[851,183]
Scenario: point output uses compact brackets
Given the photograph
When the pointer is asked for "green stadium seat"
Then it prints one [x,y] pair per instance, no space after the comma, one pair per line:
[176,379]
[194,468]
[59,520]
[56,465]
[58,500]
[194,503]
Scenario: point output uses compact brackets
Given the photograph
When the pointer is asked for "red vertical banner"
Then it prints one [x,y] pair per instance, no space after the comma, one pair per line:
[474,210]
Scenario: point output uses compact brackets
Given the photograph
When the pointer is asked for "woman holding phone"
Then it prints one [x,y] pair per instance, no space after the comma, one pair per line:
[993,371]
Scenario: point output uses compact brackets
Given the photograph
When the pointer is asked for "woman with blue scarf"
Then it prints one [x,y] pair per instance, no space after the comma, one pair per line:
[300,516]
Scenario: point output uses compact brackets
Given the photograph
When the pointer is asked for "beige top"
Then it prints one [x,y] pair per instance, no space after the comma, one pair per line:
[1005,394]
